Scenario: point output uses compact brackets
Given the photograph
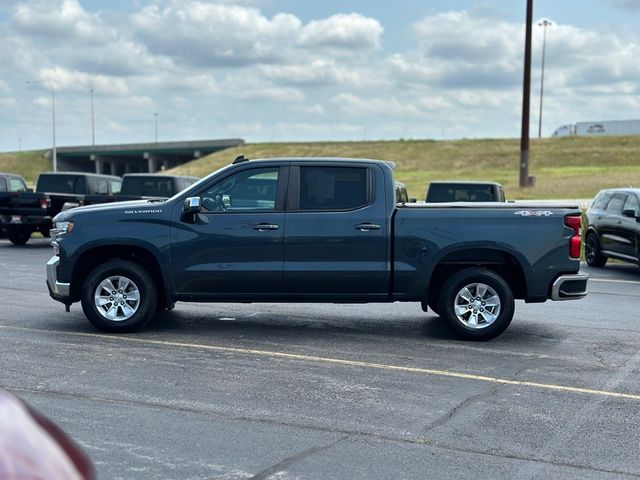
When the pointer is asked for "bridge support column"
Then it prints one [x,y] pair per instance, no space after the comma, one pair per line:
[99,161]
[152,162]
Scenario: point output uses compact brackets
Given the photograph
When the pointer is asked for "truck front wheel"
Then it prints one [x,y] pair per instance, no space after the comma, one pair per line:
[476,303]
[119,296]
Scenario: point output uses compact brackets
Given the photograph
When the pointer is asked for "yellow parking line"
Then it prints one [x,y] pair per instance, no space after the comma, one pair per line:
[339,361]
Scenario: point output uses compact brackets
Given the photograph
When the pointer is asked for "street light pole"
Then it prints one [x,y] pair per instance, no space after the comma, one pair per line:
[93,124]
[525,181]
[544,24]
[53,119]
[155,115]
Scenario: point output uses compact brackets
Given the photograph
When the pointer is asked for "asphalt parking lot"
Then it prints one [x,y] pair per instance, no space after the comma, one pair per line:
[332,391]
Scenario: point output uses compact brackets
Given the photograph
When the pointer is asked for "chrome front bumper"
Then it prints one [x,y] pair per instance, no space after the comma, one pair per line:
[58,289]
[569,287]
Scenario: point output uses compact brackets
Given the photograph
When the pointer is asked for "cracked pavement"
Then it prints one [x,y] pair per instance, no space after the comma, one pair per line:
[164,406]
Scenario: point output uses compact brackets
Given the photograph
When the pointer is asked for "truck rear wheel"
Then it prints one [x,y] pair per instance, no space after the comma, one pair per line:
[476,303]
[19,238]
[593,252]
[119,296]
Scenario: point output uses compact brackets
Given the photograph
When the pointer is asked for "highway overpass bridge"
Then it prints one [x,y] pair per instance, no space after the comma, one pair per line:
[136,157]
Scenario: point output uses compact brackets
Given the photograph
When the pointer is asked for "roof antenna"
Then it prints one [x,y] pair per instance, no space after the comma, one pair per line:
[240,159]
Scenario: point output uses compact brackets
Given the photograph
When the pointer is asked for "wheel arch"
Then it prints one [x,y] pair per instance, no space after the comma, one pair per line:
[508,264]
[143,256]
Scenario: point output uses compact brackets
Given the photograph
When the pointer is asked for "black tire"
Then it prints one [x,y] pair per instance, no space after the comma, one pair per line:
[592,251]
[19,238]
[143,310]
[484,329]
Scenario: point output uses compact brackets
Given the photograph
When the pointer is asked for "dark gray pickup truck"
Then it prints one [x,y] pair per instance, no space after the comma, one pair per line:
[143,186]
[26,212]
[313,230]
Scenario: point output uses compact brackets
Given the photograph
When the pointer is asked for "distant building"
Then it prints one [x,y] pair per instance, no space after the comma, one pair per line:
[599,129]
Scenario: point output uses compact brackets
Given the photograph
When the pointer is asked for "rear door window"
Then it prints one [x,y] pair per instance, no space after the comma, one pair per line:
[116,185]
[333,188]
[601,201]
[3,185]
[632,204]
[102,187]
[616,203]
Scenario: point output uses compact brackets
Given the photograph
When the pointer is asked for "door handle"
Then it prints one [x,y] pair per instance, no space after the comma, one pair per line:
[263,227]
[365,227]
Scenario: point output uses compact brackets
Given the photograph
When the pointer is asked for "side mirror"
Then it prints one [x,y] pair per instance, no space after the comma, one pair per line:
[192,205]
[30,190]
[413,200]
[631,214]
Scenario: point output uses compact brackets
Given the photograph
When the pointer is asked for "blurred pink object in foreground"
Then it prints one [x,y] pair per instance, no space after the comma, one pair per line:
[33,447]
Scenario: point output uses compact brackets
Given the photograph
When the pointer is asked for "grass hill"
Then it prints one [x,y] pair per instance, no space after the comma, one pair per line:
[571,167]
[27,164]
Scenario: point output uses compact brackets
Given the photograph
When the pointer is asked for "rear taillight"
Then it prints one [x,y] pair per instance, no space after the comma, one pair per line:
[575,223]
[45,203]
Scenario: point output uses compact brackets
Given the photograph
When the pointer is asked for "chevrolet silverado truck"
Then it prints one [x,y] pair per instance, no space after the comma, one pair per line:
[313,230]
[27,212]
[143,186]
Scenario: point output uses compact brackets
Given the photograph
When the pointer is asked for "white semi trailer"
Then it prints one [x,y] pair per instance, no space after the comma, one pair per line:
[599,129]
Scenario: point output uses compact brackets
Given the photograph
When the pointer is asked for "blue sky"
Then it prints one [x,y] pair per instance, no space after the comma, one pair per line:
[293,70]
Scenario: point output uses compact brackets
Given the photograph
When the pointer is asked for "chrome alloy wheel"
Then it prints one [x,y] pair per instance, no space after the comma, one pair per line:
[117,298]
[477,306]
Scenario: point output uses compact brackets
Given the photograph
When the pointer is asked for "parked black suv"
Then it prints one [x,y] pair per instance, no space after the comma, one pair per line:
[613,227]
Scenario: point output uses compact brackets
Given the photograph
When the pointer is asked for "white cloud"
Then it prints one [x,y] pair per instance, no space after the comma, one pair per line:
[214,34]
[72,80]
[384,106]
[315,109]
[342,31]
[60,19]
[7,102]
[221,35]
[324,72]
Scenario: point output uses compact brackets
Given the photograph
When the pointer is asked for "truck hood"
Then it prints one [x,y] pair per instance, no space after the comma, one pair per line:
[134,206]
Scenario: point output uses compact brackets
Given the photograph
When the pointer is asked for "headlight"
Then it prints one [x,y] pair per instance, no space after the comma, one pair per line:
[64,227]
[61,228]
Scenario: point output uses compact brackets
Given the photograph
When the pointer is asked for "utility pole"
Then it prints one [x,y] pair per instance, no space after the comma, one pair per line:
[525,180]
[544,24]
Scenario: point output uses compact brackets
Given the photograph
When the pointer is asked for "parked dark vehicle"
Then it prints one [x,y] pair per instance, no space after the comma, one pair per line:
[10,186]
[144,186]
[613,227]
[28,212]
[313,230]
[464,191]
